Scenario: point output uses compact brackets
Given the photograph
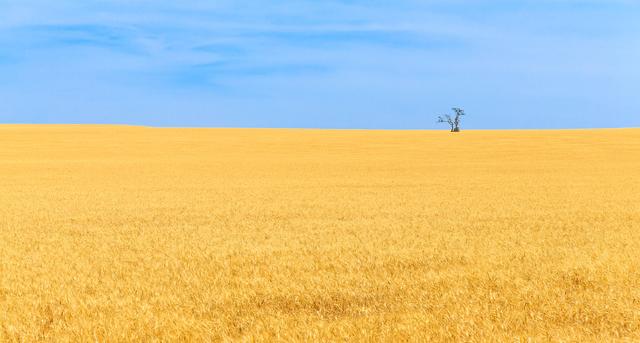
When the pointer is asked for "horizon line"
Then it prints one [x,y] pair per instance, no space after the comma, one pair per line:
[311,128]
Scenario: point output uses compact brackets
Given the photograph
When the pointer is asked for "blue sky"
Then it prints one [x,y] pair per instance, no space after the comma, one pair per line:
[321,64]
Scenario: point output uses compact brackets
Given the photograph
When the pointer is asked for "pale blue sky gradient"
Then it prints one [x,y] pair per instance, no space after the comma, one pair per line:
[321,64]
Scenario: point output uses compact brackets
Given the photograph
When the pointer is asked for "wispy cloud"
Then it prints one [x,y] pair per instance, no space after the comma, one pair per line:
[43,37]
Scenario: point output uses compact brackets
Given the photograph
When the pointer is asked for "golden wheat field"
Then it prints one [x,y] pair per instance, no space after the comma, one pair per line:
[115,233]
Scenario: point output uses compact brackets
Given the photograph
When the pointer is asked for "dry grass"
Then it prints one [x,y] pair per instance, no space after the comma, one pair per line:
[140,234]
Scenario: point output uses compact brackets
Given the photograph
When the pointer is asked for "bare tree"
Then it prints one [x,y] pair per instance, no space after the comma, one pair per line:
[453,122]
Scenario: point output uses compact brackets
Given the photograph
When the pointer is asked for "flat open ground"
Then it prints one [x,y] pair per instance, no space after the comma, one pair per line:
[114,233]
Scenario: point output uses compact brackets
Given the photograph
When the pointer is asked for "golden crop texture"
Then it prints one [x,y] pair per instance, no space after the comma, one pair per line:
[137,234]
